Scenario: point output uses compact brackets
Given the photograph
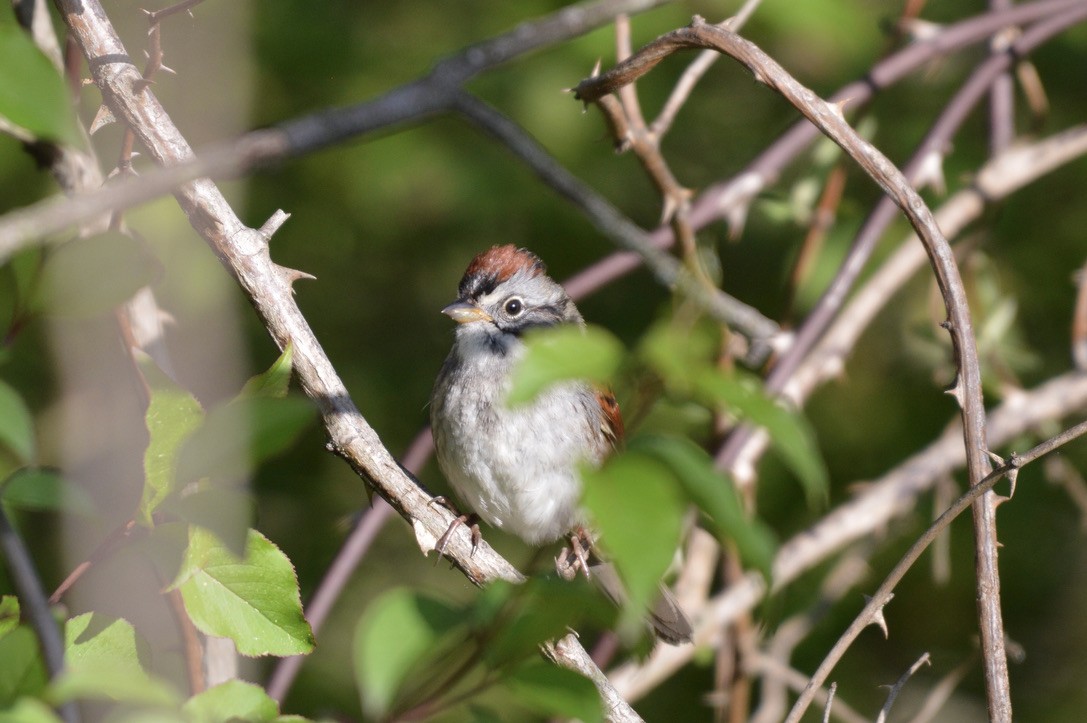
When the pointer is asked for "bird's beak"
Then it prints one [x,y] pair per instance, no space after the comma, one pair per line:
[464,312]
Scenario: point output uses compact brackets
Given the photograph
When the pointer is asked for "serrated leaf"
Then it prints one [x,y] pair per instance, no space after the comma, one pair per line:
[21,669]
[9,614]
[793,438]
[16,424]
[715,495]
[563,353]
[254,601]
[637,509]
[172,415]
[91,276]
[32,93]
[103,661]
[275,381]
[553,691]
[232,700]
[394,635]
[36,488]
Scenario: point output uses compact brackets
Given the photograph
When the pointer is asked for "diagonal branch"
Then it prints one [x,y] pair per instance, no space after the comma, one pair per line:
[245,253]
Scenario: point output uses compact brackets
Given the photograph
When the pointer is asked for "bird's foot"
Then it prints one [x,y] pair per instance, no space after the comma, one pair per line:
[471,520]
[576,556]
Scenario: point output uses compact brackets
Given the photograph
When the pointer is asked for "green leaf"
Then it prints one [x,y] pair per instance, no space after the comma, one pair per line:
[9,614]
[793,438]
[21,669]
[561,353]
[36,488]
[275,381]
[172,415]
[680,354]
[637,509]
[553,691]
[32,93]
[541,609]
[88,277]
[253,601]
[16,424]
[233,700]
[235,437]
[29,710]
[103,662]
[223,511]
[716,496]
[396,633]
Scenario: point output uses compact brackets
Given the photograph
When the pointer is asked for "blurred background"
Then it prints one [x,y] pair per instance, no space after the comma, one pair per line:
[388,223]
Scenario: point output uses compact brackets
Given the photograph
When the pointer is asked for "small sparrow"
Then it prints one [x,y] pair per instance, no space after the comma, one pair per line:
[517,468]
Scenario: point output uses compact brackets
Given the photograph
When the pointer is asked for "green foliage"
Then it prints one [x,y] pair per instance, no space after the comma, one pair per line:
[16,425]
[521,617]
[399,631]
[565,352]
[637,510]
[36,488]
[491,643]
[32,94]
[21,670]
[684,360]
[232,700]
[551,691]
[88,277]
[715,495]
[103,661]
[253,600]
[172,415]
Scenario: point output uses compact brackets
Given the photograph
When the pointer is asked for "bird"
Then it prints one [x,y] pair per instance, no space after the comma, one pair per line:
[517,467]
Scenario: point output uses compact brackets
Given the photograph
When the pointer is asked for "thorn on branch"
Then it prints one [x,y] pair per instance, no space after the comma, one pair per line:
[102,118]
[956,391]
[878,618]
[291,275]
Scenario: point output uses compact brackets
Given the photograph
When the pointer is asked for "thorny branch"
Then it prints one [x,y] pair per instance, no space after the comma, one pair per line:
[259,148]
[968,390]
[245,252]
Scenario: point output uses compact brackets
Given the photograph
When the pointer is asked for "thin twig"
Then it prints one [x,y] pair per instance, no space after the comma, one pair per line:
[420,99]
[245,252]
[940,693]
[968,385]
[883,594]
[33,604]
[343,566]
[610,221]
[730,199]
[890,497]
[898,686]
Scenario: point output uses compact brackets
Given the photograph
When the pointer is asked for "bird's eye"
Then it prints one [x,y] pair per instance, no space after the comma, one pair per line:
[514,306]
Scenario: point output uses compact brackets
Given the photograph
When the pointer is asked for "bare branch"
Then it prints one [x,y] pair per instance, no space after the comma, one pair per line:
[898,686]
[891,496]
[611,222]
[829,119]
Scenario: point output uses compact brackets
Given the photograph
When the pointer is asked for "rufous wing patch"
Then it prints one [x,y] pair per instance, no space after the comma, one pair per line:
[612,420]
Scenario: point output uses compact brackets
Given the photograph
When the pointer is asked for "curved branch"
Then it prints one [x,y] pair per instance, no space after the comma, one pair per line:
[828,118]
